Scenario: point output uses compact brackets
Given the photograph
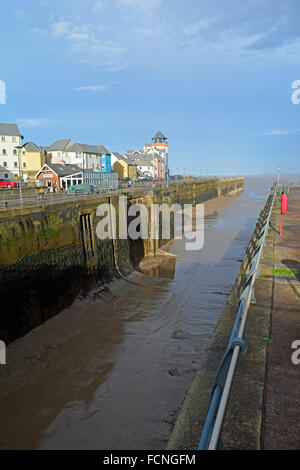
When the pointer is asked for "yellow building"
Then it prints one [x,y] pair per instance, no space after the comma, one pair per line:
[121,167]
[132,171]
[125,168]
[32,159]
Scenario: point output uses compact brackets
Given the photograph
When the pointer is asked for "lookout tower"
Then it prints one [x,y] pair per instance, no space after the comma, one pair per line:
[160,144]
[159,141]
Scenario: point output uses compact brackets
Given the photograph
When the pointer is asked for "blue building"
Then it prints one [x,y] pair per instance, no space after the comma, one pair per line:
[105,160]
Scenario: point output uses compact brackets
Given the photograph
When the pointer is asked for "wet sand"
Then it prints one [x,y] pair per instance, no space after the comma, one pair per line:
[111,371]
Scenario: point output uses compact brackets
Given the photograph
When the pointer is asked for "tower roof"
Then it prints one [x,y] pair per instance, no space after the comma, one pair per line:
[159,135]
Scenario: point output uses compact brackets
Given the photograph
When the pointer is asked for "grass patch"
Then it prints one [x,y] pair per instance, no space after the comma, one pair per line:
[283,272]
[267,340]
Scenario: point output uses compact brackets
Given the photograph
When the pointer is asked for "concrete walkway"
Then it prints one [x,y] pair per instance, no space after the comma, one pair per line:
[282,397]
[264,405]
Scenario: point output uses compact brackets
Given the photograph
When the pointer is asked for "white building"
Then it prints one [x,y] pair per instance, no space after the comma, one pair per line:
[143,162]
[115,156]
[10,138]
[58,151]
[85,156]
[157,152]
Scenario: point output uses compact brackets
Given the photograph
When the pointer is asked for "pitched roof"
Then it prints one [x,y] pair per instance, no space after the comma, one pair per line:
[126,158]
[9,129]
[5,170]
[116,154]
[143,161]
[32,147]
[131,152]
[64,169]
[142,156]
[159,135]
[83,148]
[60,144]
[103,150]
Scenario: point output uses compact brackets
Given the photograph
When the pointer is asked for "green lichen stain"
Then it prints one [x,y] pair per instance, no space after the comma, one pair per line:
[7,244]
[283,272]
[52,233]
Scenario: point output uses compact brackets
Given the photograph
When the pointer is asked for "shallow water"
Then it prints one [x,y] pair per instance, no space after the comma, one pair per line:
[111,371]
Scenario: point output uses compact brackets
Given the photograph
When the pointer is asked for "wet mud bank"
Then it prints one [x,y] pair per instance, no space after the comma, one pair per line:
[50,254]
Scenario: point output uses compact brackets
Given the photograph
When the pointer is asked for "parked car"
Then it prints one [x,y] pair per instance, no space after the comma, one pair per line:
[5,183]
[126,180]
[144,178]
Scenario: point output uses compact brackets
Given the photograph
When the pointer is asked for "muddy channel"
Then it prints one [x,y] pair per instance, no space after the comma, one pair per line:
[111,371]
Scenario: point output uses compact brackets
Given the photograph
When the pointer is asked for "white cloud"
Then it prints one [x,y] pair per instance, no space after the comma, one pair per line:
[249,27]
[38,31]
[37,122]
[84,43]
[146,6]
[279,132]
[94,88]
[22,15]
[99,6]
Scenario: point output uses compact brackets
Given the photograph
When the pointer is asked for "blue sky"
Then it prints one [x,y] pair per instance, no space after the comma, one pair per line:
[214,76]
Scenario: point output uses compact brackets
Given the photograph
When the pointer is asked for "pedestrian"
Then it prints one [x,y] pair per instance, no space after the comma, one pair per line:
[41,194]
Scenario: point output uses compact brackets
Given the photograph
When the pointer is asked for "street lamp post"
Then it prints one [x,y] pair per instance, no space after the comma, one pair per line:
[20,183]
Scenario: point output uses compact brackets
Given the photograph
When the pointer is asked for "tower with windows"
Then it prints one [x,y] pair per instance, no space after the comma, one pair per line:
[160,145]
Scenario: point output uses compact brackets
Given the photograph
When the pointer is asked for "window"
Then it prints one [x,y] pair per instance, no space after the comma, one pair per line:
[3,151]
[4,163]
[5,175]
[15,152]
[15,164]
[14,139]
[24,165]
[3,138]
[23,152]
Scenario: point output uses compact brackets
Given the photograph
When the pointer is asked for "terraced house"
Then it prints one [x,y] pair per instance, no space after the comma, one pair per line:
[93,157]
[10,138]
[32,159]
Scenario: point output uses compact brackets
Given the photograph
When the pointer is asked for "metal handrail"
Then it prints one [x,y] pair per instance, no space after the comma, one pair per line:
[11,200]
[211,434]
